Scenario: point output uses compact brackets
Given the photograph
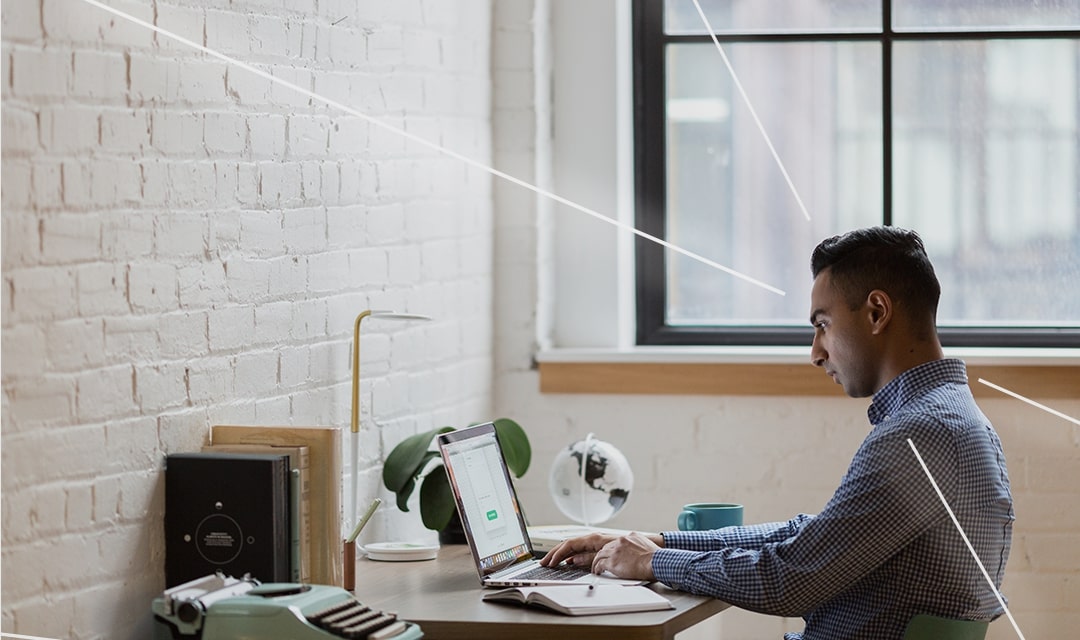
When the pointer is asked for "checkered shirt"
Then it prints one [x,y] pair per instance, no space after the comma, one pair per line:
[884,548]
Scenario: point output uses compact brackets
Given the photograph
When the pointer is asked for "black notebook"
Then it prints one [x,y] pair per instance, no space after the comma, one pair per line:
[227,512]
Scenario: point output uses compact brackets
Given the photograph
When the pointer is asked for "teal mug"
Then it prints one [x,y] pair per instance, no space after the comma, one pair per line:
[700,516]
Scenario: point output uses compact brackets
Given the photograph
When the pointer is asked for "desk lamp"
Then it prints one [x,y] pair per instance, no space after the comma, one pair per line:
[355,424]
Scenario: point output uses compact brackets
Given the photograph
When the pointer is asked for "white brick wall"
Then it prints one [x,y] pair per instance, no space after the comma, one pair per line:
[185,243]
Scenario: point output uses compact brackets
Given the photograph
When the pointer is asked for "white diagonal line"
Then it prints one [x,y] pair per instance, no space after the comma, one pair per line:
[1029,401]
[986,575]
[431,145]
[22,637]
[753,113]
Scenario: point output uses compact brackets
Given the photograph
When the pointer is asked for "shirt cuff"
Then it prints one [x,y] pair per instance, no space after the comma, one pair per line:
[671,566]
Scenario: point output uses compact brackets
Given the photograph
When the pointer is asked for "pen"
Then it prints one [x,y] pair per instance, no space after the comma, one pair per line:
[363,520]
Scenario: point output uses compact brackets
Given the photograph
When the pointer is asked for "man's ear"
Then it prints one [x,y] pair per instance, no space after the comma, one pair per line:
[879,309]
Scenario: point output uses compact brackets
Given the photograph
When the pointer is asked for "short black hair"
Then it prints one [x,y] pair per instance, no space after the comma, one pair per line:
[891,259]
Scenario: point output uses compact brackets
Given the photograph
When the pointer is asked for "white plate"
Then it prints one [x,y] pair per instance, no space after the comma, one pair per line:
[400,551]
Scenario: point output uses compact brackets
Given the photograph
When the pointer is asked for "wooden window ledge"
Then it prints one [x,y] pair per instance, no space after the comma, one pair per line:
[778,373]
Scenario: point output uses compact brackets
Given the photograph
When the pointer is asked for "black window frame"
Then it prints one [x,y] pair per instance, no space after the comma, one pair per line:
[649,44]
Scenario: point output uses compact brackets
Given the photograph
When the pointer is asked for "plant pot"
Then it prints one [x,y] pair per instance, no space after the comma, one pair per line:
[453,532]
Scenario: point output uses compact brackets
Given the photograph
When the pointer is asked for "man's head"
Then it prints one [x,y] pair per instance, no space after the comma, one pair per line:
[873,307]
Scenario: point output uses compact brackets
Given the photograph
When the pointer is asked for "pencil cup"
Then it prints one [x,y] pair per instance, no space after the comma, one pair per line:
[350,566]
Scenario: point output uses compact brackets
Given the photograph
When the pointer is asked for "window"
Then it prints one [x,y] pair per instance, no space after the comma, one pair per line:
[958,119]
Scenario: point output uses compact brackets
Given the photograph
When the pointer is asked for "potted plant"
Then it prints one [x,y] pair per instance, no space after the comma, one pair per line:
[413,461]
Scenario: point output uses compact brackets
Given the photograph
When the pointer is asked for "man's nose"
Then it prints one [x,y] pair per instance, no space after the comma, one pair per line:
[818,355]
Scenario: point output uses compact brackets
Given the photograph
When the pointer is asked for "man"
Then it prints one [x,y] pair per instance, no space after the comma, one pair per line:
[883,549]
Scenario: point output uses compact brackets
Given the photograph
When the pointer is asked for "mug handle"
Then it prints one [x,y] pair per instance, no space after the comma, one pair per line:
[687,521]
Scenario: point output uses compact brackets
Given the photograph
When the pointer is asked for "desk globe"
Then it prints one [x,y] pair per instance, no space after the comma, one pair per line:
[598,494]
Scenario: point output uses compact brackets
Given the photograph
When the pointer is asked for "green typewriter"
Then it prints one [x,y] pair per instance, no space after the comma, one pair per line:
[217,607]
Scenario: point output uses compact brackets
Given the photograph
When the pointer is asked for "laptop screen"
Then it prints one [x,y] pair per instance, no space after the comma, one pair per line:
[485,497]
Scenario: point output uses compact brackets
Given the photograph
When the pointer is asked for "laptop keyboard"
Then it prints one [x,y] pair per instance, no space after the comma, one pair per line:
[561,572]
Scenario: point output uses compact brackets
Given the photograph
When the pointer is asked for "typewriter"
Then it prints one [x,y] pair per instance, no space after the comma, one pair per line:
[217,607]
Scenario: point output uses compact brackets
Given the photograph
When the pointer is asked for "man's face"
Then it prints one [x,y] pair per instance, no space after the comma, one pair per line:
[842,339]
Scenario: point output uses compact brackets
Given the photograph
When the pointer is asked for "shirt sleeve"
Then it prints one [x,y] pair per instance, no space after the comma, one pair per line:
[748,537]
[880,507]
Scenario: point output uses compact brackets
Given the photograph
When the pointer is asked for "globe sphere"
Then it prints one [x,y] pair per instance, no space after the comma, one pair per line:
[590,481]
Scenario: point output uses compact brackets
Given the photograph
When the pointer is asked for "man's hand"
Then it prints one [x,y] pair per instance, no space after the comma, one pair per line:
[577,551]
[628,557]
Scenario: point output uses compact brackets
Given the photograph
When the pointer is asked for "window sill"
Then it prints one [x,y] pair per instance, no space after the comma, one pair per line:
[781,371]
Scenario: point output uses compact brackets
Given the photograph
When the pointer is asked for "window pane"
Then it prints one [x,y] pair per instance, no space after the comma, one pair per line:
[986,169]
[985,14]
[682,17]
[727,199]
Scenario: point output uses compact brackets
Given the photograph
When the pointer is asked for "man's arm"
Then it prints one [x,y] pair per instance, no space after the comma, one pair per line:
[753,536]
[884,503]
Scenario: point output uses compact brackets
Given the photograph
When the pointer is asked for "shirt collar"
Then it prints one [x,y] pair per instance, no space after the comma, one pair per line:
[913,383]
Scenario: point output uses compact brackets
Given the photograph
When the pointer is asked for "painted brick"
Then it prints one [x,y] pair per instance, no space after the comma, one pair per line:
[153,80]
[329,272]
[22,22]
[288,275]
[114,183]
[70,238]
[152,287]
[20,131]
[40,73]
[131,338]
[86,24]
[273,322]
[308,319]
[202,285]
[304,230]
[247,279]
[160,386]
[127,235]
[105,393]
[185,22]
[202,82]
[132,445]
[26,345]
[76,344]
[255,373]
[11,195]
[231,328]
[78,506]
[125,130]
[181,235]
[227,32]
[224,133]
[183,335]
[191,184]
[68,129]
[293,366]
[41,293]
[268,135]
[99,74]
[209,381]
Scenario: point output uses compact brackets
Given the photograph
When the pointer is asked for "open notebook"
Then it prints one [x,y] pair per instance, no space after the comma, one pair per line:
[491,516]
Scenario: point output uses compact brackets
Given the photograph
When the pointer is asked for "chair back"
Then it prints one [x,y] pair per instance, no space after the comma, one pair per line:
[927,627]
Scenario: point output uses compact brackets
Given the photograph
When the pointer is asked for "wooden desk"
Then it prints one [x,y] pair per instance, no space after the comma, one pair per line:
[443,597]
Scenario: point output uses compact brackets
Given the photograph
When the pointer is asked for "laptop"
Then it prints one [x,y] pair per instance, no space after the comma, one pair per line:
[492,518]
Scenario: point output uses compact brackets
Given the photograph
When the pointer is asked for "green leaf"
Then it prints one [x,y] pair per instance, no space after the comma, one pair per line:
[436,500]
[408,458]
[404,494]
[515,446]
